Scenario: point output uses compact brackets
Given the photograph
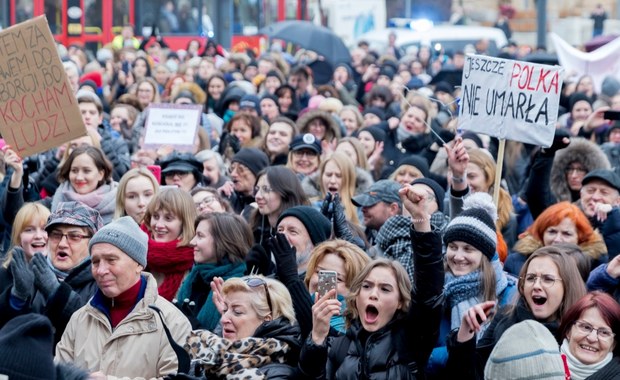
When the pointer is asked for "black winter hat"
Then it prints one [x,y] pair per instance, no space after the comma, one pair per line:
[318,226]
[577,96]
[437,190]
[255,159]
[181,162]
[377,133]
[475,227]
[26,346]
[380,113]
[418,162]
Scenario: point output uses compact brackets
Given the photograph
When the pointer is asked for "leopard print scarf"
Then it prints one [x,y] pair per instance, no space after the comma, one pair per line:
[232,360]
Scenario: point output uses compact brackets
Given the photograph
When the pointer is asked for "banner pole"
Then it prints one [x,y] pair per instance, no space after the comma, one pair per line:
[498,171]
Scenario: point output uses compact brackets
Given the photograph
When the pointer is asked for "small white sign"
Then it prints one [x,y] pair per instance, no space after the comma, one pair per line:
[172,125]
[511,100]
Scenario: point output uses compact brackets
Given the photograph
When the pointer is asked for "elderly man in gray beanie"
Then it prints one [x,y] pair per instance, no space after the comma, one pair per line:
[126,330]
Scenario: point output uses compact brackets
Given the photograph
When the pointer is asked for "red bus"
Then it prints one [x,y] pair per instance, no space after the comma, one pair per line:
[94,23]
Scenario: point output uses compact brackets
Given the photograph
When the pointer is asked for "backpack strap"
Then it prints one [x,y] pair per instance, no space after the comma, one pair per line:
[182,355]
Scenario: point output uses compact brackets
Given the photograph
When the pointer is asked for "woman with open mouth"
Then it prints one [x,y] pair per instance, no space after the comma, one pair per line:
[49,265]
[391,328]
[590,330]
[336,175]
[549,283]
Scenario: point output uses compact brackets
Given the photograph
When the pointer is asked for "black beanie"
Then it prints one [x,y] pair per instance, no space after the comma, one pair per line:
[418,162]
[380,113]
[576,97]
[377,133]
[26,348]
[318,226]
[437,190]
[255,159]
[475,227]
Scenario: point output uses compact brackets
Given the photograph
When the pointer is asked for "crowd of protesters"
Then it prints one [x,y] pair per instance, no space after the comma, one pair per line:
[125,261]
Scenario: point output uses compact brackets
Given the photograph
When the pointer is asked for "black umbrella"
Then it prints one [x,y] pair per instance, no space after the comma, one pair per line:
[541,57]
[450,75]
[311,37]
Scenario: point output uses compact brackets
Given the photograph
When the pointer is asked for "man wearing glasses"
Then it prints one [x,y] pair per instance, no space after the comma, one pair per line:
[244,168]
[57,283]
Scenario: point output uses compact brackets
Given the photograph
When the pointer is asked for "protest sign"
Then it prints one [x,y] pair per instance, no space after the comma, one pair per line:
[172,125]
[509,99]
[38,109]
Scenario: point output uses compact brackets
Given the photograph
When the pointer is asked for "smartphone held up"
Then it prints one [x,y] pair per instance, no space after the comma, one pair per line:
[327,281]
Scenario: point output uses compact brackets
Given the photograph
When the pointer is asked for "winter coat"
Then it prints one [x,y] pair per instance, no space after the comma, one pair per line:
[610,372]
[136,348]
[583,151]
[116,150]
[388,353]
[466,360]
[612,151]
[73,293]
[332,131]
[595,249]
[599,279]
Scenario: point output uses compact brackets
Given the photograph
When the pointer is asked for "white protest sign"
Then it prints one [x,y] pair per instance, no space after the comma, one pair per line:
[511,100]
[172,125]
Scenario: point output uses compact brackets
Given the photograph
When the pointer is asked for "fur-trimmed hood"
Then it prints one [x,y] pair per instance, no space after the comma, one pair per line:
[594,248]
[311,183]
[332,131]
[581,150]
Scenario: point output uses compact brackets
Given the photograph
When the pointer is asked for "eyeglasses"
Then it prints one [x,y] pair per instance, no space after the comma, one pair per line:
[239,168]
[304,152]
[263,189]
[72,237]
[175,173]
[546,280]
[254,282]
[586,328]
[575,170]
[205,201]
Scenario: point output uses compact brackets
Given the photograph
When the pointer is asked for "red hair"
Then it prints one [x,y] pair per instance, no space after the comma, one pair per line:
[553,215]
[603,302]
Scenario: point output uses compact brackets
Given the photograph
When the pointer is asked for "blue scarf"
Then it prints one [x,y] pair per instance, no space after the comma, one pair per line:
[208,316]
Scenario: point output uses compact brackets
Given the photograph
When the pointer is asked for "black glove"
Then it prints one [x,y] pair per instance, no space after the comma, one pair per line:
[234,143]
[341,226]
[258,260]
[327,207]
[23,277]
[557,144]
[221,149]
[286,256]
[44,278]
[188,308]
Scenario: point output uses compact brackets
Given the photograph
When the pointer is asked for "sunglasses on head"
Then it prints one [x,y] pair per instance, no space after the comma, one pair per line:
[255,282]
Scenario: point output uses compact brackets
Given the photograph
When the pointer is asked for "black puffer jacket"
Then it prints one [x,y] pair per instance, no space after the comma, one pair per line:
[399,350]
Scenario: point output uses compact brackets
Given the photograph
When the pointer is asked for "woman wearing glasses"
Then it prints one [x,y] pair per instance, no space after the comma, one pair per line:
[561,223]
[304,156]
[59,283]
[182,170]
[549,284]
[221,242]
[260,338]
[590,331]
[208,200]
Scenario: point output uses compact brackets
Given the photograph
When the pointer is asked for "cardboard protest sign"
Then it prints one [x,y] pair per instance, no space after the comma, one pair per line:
[38,109]
[172,125]
[509,99]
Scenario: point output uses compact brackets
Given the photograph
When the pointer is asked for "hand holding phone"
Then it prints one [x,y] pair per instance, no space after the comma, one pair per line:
[327,281]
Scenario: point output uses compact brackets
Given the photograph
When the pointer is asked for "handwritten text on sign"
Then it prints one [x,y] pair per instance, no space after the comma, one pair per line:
[511,100]
[38,110]
[172,124]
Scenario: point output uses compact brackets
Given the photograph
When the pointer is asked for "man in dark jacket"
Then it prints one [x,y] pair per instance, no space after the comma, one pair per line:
[244,168]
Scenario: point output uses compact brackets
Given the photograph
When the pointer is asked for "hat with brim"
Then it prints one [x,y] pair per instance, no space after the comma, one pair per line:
[179,166]
[605,175]
[384,190]
[75,214]
[305,141]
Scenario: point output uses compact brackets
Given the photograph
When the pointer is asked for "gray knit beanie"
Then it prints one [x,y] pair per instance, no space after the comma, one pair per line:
[125,234]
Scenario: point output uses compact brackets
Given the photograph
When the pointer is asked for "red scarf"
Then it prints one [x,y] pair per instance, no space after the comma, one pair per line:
[172,261]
